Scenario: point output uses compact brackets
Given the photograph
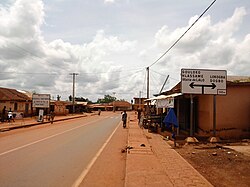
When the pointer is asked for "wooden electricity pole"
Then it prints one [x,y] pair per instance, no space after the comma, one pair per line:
[148,109]
[147,82]
[73,99]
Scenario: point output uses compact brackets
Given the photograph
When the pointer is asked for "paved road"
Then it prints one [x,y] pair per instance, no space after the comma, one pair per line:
[53,155]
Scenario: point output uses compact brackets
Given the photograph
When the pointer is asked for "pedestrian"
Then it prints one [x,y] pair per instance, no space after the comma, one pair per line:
[124,119]
[99,112]
[52,116]
[10,116]
[3,114]
[139,115]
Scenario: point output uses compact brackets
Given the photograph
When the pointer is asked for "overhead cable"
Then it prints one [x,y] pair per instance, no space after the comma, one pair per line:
[183,33]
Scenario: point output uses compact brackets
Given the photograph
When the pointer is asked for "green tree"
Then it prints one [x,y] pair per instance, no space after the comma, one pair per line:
[83,99]
[106,99]
[70,98]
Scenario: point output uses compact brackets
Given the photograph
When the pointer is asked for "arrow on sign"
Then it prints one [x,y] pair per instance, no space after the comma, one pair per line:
[192,85]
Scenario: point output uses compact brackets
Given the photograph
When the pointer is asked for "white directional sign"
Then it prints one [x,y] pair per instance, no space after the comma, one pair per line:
[40,100]
[201,81]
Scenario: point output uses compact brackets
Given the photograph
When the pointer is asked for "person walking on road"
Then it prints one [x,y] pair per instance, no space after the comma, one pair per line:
[52,116]
[124,119]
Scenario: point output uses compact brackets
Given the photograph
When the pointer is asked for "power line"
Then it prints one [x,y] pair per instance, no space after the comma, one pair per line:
[46,73]
[144,82]
[129,75]
[28,73]
[183,33]
[32,55]
[163,75]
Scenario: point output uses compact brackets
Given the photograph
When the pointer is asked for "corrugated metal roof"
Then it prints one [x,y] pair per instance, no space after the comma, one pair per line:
[164,96]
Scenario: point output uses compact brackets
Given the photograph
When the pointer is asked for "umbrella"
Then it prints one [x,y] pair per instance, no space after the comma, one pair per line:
[171,118]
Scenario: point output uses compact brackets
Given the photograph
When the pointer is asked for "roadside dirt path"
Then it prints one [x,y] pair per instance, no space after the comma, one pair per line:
[223,167]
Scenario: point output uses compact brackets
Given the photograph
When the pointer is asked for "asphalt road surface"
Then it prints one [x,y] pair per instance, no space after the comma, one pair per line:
[54,155]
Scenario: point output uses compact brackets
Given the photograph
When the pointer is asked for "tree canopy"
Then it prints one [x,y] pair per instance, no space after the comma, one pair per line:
[106,99]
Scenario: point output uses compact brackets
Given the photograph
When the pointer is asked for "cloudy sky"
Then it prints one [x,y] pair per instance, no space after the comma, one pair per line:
[109,43]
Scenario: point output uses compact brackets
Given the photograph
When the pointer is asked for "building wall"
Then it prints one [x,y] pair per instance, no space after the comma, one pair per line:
[205,113]
[139,103]
[20,106]
[232,113]
[60,108]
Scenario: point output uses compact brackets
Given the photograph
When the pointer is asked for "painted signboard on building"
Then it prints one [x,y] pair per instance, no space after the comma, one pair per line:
[165,103]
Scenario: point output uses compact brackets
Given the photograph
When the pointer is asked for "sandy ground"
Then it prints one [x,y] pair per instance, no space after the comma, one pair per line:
[222,166]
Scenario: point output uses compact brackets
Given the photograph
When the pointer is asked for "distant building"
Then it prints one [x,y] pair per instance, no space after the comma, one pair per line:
[139,103]
[121,105]
[59,107]
[113,106]
[15,100]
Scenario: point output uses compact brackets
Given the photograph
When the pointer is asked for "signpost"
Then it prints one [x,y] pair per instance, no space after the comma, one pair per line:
[41,101]
[203,81]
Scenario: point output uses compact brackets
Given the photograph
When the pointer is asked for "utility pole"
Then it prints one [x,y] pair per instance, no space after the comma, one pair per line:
[148,109]
[147,82]
[164,84]
[140,100]
[114,102]
[73,99]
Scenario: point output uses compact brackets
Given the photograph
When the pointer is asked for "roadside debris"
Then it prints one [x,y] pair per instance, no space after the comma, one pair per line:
[214,153]
[126,148]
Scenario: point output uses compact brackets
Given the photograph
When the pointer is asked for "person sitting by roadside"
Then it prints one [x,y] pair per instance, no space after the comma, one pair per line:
[3,114]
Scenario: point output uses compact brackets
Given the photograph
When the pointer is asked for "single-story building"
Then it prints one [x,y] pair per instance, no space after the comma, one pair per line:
[139,103]
[232,110]
[15,100]
[100,106]
[59,107]
[113,106]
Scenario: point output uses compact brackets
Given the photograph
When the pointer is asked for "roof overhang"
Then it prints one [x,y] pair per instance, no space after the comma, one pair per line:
[164,96]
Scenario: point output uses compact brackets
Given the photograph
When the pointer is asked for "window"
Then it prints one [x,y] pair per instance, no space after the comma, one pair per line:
[27,108]
[15,107]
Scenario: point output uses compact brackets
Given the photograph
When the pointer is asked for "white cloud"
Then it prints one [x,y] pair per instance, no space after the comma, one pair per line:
[26,51]
[206,45]
[103,62]
[22,20]
[109,1]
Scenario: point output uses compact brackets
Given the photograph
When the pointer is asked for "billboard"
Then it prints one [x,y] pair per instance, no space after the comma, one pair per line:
[40,100]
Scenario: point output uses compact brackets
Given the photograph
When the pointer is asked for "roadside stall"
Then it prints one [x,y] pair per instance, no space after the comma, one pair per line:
[161,104]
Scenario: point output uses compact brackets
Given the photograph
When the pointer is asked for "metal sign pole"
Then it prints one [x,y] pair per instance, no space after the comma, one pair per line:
[178,115]
[214,116]
[191,115]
